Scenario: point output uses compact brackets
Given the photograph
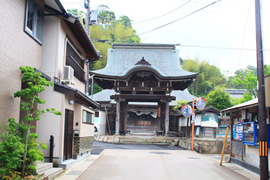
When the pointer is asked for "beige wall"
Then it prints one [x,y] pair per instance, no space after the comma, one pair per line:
[54,50]
[53,62]
[87,129]
[51,124]
[267,90]
[17,49]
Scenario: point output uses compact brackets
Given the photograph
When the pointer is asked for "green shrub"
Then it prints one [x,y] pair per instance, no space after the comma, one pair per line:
[19,149]
[11,150]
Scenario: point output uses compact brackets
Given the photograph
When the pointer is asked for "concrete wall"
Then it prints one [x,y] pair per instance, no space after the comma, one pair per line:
[17,49]
[252,155]
[102,123]
[183,121]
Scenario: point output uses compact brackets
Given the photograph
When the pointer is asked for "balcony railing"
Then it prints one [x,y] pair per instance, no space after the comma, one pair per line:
[74,60]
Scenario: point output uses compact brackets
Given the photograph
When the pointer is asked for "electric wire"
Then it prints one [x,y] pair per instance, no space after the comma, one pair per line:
[240,56]
[224,48]
[174,20]
[163,14]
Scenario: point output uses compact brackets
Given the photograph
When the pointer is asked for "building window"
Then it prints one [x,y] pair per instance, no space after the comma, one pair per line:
[34,20]
[87,117]
[74,60]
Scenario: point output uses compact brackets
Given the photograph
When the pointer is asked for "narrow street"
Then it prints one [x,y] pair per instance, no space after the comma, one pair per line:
[122,162]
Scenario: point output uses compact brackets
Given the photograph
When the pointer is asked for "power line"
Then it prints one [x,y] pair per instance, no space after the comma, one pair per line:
[174,20]
[240,56]
[195,46]
[226,48]
[163,14]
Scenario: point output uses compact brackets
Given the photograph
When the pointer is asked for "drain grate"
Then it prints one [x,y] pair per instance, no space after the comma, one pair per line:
[193,158]
[159,153]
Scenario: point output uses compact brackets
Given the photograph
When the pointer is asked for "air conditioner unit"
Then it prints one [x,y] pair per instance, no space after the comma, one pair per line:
[68,74]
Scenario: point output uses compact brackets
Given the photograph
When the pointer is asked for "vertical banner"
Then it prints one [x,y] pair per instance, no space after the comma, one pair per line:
[240,131]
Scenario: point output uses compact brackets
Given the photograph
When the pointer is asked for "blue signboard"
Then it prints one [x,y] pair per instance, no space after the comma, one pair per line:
[240,131]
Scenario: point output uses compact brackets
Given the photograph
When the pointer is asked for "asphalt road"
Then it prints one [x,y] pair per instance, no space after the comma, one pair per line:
[147,162]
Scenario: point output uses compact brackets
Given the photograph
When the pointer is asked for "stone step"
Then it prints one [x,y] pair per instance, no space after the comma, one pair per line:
[42,166]
[68,163]
[51,173]
[142,134]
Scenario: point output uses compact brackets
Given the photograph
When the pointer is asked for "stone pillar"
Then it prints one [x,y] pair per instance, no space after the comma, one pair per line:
[117,119]
[167,118]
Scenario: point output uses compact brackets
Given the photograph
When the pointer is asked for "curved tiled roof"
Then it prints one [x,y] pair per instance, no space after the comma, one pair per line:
[162,58]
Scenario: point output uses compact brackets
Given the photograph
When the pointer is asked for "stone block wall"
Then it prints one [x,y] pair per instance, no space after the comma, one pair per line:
[212,146]
[138,140]
[201,145]
[82,145]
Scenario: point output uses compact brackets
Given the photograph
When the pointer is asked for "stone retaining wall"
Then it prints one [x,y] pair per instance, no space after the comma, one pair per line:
[201,145]
[212,146]
[138,140]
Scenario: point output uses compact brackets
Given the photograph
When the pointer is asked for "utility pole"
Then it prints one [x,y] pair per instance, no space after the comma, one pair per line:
[261,96]
[87,6]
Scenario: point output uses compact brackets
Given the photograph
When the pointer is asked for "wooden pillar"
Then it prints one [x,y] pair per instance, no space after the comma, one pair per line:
[117,119]
[162,116]
[159,116]
[177,123]
[123,115]
[166,118]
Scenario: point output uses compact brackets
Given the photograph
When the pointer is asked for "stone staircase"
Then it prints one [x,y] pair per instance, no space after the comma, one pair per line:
[141,132]
[47,171]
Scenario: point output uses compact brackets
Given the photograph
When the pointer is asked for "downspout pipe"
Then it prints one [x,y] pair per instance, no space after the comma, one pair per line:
[87,78]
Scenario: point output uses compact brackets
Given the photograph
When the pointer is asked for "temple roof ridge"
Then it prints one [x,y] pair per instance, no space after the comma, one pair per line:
[143,62]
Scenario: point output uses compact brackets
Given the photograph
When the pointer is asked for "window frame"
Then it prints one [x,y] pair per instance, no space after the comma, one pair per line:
[33,33]
[91,117]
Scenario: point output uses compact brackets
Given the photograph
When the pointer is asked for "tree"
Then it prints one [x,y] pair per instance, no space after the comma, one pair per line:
[125,21]
[266,70]
[209,76]
[105,15]
[243,99]
[180,104]
[249,82]
[219,99]
[30,100]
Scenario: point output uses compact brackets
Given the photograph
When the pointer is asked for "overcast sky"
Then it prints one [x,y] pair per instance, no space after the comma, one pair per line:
[225,24]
